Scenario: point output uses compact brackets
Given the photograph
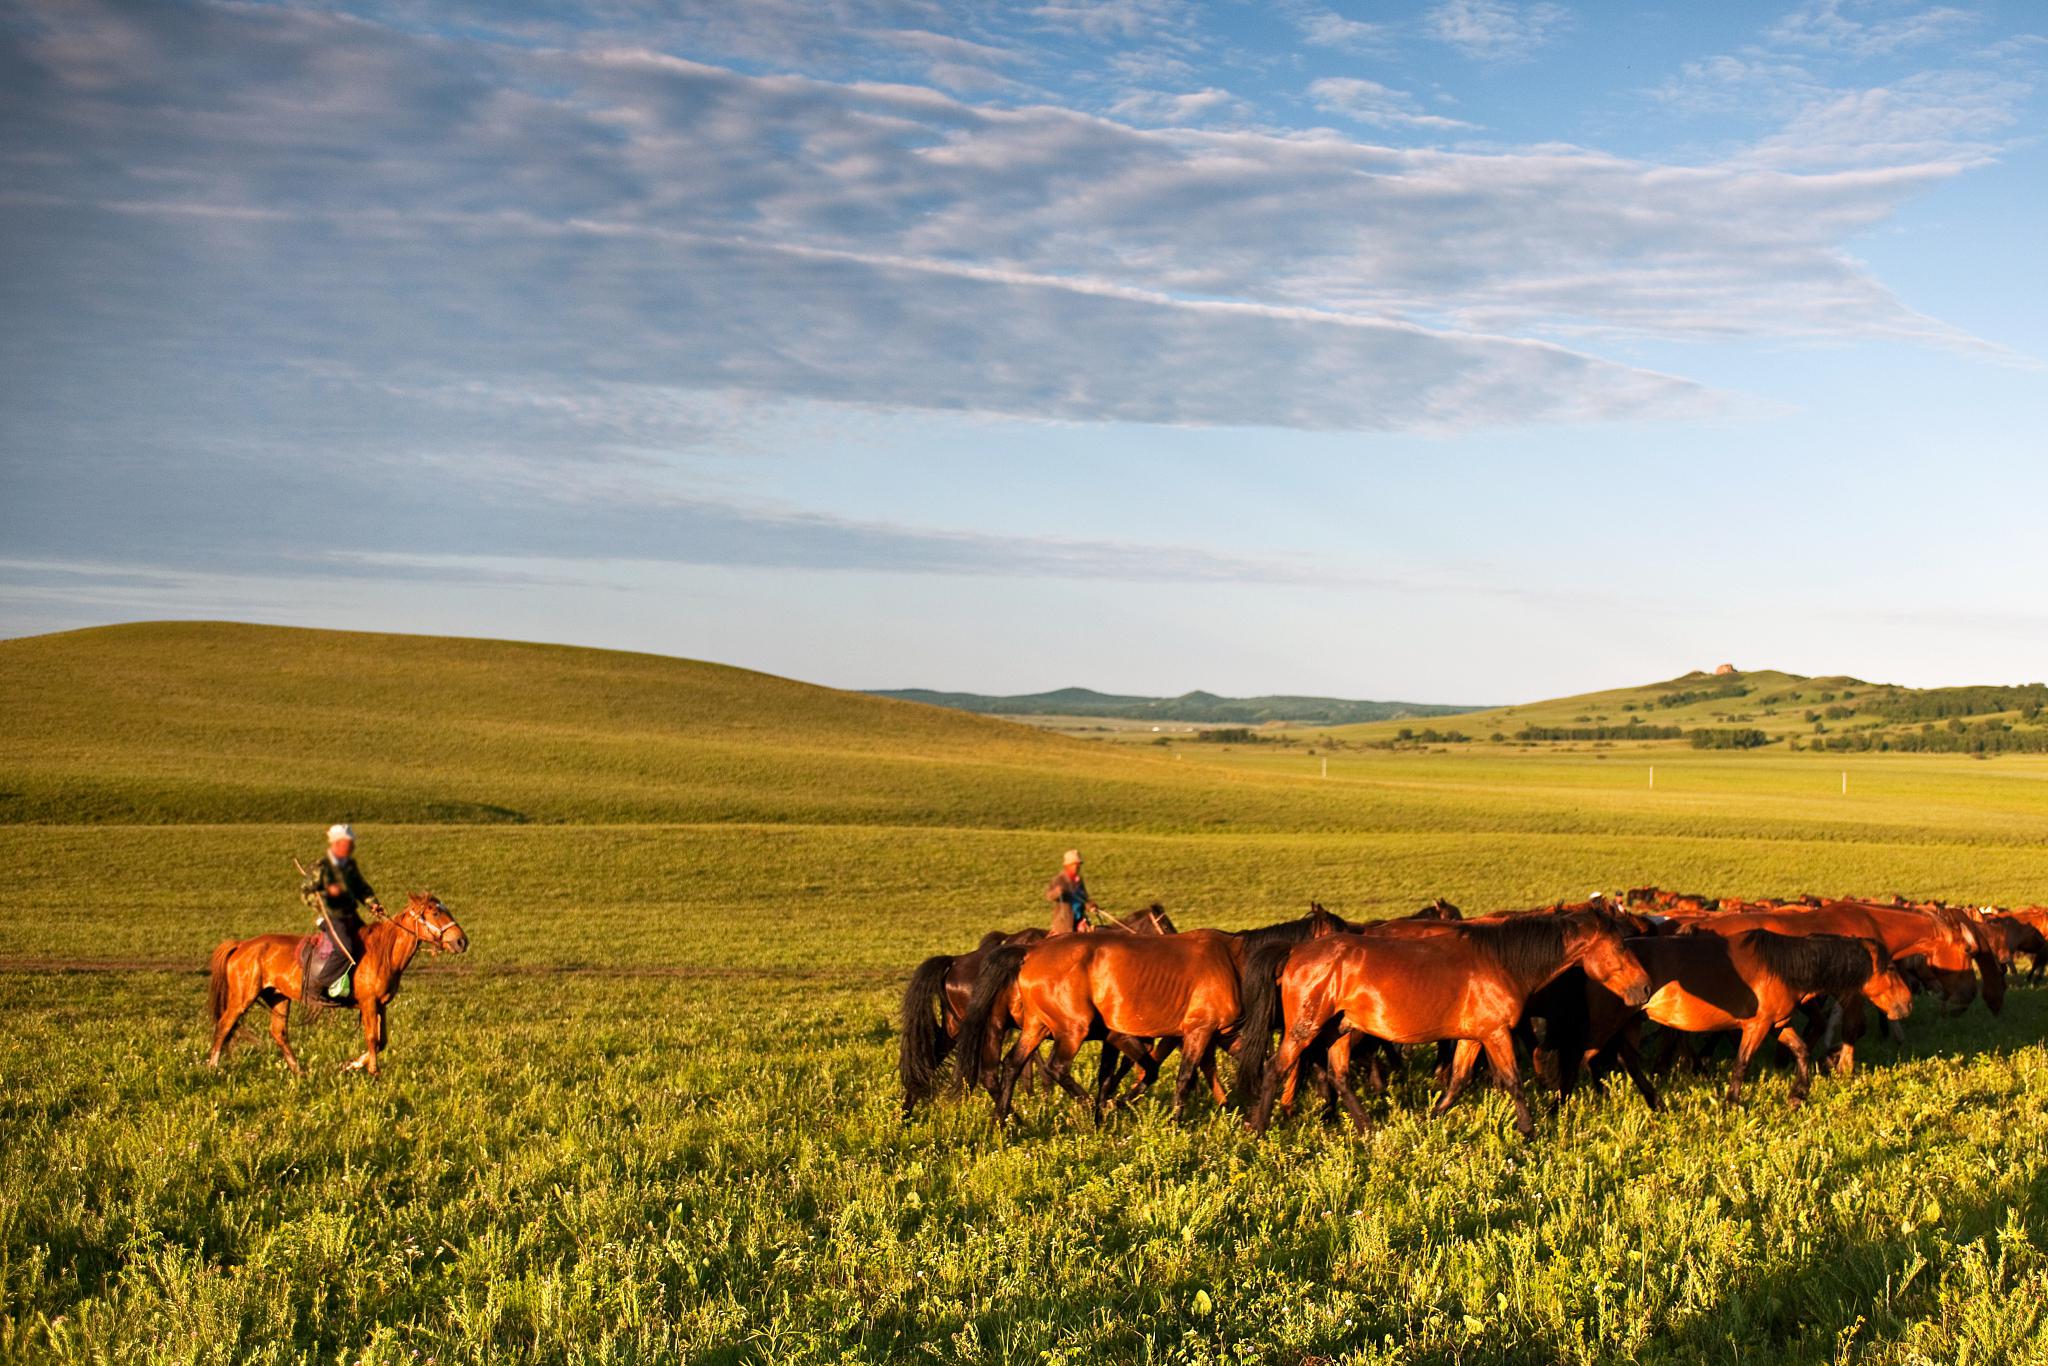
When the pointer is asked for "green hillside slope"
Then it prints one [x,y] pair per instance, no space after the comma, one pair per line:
[207,721]
[1831,712]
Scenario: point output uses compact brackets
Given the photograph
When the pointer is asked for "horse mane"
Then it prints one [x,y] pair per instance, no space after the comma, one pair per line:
[1296,931]
[1527,946]
[1814,964]
[991,940]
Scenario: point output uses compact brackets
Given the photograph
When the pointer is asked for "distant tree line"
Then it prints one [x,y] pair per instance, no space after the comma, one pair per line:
[1634,730]
[1429,735]
[1686,699]
[1737,737]
[1938,704]
[1230,735]
[1957,737]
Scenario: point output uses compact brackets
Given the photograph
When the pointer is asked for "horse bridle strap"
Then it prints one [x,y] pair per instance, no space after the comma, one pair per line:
[433,940]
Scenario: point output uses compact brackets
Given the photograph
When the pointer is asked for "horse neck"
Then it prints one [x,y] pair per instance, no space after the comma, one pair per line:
[1532,978]
[399,947]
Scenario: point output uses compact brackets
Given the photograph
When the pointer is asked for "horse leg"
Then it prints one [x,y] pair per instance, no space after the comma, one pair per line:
[1463,1056]
[280,1016]
[1753,1036]
[1340,1077]
[1841,1060]
[1028,1039]
[1195,1047]
[1632,1062]
[1151,1062]
[366,1061]
[1119,1053]
[1060,1067]
[224,1029]
[1802,1058]
[1280,1068]
[1500,1053]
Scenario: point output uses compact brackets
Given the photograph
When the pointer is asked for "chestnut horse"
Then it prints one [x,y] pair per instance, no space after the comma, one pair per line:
[1468,982]
[935,999]
[1132,989]
[267,968]
[1750,982]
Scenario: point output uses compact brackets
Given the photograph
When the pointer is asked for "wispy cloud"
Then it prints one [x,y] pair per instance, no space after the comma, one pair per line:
[1497,30]
[1327,28]
[1194,106]
[1369,102]
[1870,28]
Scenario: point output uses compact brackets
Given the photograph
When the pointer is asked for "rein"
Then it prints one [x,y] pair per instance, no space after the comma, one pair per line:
[433,936]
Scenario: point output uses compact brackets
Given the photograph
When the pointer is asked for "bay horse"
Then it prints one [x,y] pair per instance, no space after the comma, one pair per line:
[934,1003]
[2021,931]
[936,997]
[1750,983]
[1941,939]
[1466,982]
[268,968]
[1133,989]
[1318,922]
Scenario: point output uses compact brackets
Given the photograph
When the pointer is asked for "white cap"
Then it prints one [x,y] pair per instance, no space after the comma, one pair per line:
[1073,857]
[341,832]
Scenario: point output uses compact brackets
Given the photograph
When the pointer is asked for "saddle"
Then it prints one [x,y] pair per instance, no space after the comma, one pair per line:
[321,963]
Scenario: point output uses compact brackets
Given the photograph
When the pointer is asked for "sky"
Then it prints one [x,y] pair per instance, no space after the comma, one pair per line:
[1462,351]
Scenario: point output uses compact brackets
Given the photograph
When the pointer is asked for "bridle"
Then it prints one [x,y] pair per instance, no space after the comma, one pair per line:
[433,936]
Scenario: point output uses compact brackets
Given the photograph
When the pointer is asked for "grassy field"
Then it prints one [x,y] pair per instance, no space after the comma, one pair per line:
[652,1115]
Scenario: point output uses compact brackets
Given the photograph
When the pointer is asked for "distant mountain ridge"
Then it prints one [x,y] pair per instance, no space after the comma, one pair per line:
[1193,708]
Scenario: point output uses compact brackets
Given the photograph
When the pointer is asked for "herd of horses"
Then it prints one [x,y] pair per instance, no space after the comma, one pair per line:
[1571,986]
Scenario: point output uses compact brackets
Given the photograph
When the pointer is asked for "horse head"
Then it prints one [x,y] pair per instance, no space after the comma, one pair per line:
[427,920]
[1595,942]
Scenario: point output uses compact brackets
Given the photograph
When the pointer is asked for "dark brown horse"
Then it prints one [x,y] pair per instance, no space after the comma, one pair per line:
[268,968]
[1466,983]
[935,1000]
[933,1005]
[1940,939]
[1750,983]
[2021,931]
[1132,989]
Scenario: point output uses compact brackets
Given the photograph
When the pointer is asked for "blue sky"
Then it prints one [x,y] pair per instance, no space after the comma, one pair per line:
[1459,351]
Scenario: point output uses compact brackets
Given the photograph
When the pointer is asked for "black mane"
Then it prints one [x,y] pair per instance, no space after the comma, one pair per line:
[1814,964]
[1529,946]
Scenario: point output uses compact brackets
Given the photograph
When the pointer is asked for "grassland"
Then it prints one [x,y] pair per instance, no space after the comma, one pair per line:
[651,1116]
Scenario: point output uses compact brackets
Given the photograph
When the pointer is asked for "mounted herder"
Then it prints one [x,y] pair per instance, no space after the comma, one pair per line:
[278,969]
[1069,895]
[334,888]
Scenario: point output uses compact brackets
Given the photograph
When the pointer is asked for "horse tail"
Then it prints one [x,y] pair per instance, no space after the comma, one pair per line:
[1258,996]
[925,1042]
[998,973]
[217,979]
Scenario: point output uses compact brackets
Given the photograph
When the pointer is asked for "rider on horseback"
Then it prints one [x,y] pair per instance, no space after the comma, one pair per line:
[1069,896]
[335,888]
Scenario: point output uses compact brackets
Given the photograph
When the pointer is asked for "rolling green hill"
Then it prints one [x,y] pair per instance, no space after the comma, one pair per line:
[210,721]
[1832,712]
[1196,708]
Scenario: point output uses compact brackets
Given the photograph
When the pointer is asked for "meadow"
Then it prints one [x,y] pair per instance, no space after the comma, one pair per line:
[652,1115]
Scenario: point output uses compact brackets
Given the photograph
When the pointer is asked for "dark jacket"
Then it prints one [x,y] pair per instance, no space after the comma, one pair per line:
[355,890]
[1070,896]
